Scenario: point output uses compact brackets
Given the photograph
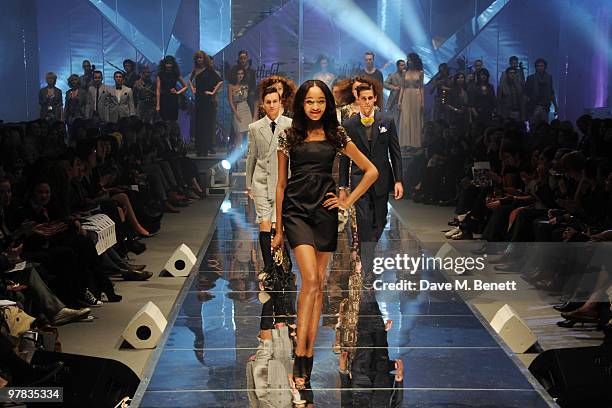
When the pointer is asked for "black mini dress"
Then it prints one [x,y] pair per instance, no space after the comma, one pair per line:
[305,220]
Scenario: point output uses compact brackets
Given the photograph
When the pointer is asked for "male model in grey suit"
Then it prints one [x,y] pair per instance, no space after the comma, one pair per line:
[262,167]
[97,99]
[120,101]
[394,84]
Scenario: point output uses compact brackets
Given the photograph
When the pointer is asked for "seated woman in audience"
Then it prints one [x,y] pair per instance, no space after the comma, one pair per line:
[509,197]
[49,227]
[59,261]
[95,183]
[79,203]
[174,151]
[143,164]
[45,235]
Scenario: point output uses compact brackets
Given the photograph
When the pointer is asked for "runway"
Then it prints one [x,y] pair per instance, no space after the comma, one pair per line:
[450,358]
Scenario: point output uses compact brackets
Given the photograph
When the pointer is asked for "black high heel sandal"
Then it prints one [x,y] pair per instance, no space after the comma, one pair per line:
[307,393]
[300,371]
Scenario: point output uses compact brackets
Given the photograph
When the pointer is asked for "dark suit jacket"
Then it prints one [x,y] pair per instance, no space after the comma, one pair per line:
[371,384]
[385,153]
[50,108]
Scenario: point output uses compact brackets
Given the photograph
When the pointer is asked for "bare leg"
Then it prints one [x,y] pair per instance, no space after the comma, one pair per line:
[306,258]
[313,328]
[124,201]
[196,186]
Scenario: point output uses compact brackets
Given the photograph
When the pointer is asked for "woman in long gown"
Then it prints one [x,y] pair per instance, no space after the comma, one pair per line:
[411,103]
[238,95]
[307,207]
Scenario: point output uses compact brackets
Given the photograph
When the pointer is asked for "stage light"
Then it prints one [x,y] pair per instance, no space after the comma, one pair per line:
[218,180]
[594,26]
[226,164]
[219,175]
[226,205]
[421,42]
[413,25]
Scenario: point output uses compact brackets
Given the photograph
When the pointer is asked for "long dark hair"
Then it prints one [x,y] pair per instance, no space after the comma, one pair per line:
[455,83]
[482,71]
[169,59]
[234,76]
[334,133]
[417,64]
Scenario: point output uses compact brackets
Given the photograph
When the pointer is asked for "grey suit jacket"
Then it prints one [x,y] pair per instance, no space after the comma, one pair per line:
[266,376]
[118,109]
[262,166]
[394,79]
[103,103]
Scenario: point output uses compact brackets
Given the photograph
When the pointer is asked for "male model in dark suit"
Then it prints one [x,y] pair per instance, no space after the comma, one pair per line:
[376,137]
[368,381]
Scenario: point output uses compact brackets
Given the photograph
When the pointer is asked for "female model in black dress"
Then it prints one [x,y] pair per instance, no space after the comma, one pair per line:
[168,74]
[205,83]
[307,206]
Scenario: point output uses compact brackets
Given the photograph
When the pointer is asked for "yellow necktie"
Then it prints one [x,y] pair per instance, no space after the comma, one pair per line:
[367,121]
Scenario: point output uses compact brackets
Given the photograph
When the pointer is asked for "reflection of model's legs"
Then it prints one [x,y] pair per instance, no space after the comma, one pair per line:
[265,241]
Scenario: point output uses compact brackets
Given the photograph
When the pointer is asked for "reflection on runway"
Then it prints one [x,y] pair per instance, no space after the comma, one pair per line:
[399,349]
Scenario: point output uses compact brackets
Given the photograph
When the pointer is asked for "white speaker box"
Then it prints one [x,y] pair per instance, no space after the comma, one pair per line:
[146,327]
[513,330]
[181,261]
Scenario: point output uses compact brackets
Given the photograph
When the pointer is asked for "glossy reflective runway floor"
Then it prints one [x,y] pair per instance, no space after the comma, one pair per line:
[449,358]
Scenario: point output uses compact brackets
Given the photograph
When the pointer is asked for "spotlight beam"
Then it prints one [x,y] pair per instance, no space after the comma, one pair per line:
[355,22]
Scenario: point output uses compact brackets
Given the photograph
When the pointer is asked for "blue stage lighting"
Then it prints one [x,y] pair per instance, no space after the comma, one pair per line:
[226,164]
[355,22]
[226,205]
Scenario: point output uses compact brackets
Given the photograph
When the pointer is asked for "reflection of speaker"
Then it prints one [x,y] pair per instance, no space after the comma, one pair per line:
[181,261]
[146,327]
[513,330]
[90,381]
[577,377]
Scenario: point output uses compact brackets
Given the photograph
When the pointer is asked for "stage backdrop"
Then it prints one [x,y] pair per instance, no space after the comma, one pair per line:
[19,68]
[572,35]
[38,36]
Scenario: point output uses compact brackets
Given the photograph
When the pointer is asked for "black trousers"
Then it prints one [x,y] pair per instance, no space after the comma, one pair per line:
[371,220]
[62,262]
[205,125]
